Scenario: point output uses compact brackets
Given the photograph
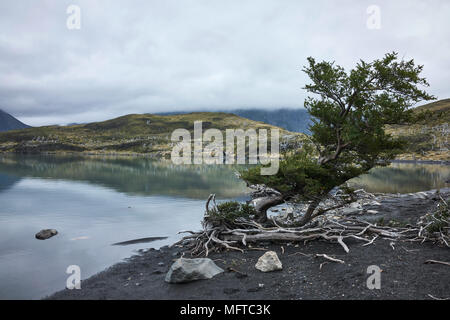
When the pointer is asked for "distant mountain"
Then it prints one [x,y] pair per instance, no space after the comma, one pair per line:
[8,122]
[295,120]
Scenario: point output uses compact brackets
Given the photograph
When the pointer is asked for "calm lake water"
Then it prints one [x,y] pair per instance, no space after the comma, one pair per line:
[96,201]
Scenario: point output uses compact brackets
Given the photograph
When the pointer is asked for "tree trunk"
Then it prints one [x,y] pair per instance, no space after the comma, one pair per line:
[309,213]
[262,205]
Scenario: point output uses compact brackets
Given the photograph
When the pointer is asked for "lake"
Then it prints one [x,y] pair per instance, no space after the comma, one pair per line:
[97,201]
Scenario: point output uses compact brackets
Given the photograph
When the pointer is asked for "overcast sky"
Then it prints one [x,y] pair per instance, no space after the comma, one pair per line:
[143,56]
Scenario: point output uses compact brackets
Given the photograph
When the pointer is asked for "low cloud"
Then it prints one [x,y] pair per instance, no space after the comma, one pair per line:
[155,56]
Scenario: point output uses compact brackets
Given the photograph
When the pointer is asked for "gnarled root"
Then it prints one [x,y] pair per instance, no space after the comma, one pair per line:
[238,234]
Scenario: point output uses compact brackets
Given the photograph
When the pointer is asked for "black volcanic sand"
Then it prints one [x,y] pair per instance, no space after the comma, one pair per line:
[404,272]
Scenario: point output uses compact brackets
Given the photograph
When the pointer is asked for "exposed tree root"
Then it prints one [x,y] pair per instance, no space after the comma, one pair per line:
[241,232]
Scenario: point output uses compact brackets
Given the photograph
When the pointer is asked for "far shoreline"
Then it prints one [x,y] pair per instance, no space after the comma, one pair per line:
[158,157]
[441,162]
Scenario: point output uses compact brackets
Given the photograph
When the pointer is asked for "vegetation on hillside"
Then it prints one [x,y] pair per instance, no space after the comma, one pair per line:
[135,133]
[429,137]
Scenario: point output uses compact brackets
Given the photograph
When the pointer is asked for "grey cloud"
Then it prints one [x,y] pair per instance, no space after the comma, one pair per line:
[151,56]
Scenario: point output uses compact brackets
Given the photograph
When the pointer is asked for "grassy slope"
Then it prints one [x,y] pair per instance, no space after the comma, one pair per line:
[146,133]
[429,139]
[135,133]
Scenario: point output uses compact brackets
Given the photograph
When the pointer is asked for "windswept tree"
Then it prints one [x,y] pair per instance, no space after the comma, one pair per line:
[349,111]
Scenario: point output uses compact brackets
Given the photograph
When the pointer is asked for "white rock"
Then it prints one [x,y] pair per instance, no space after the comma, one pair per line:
[422,195]
[186,270]
[269,262]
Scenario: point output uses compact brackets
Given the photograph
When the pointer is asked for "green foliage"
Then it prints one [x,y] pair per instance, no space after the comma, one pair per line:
[349,112]
[230,211]
[301,176]
[350,115]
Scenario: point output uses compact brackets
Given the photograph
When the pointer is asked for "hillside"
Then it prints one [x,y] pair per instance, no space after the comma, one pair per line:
[8,122]
[429,139]
[295,120]
[136,133]
[150,134]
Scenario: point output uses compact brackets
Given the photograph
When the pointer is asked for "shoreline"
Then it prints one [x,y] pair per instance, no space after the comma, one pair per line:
[441,162]
[404,272]
[158,156]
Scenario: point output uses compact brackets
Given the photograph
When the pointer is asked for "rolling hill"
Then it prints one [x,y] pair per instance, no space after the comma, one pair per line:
[135,133]
[295,120]
[429,139]
[8,122]
[150,133]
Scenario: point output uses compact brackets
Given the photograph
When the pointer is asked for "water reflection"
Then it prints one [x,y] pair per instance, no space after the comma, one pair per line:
[94,202]
[404,178]
[7,181]
[131,175]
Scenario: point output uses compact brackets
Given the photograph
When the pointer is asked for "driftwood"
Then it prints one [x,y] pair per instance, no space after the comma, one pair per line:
[241,232]
[438,262]
[330,258]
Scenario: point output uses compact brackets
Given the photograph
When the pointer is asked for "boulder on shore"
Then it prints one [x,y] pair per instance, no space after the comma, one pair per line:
[269,262]
[186,270]
[45,234]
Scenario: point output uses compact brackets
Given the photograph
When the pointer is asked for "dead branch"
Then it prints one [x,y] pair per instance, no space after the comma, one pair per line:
[330,258]
[234,235]
[437,262]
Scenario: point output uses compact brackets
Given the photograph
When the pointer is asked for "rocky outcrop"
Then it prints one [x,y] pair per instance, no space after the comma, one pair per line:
[186,270]
[45,234]
[269,262]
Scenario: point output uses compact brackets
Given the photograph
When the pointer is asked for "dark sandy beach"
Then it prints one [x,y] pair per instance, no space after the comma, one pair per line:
[405,275]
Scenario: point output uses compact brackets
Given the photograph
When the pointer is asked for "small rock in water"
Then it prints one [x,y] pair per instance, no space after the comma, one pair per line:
[269,262]
[45,234]
[186,270]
